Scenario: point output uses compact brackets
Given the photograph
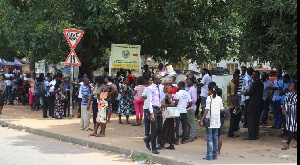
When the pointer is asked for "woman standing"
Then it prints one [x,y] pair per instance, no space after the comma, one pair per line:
[214,105]
[110,97]
[125,106]
[138,100]
[99,87]
[290,111]
[168,126]
[32,81]
[59,103]
[2,92]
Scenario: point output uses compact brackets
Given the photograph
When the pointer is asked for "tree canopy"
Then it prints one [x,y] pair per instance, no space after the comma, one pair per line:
[200,30]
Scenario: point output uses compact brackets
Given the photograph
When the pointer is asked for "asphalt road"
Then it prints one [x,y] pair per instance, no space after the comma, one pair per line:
[17,147]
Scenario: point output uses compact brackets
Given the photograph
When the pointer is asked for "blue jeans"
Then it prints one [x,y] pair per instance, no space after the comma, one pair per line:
[36,105]
[277,113]
[8,93]
[212,143]
[147,122]
[265,112]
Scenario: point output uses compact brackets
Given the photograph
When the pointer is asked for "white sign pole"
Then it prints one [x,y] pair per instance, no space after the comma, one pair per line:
[71,91]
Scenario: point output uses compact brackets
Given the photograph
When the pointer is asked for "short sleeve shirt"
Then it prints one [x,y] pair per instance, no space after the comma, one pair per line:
[205,81]
[183,98]
[214,105]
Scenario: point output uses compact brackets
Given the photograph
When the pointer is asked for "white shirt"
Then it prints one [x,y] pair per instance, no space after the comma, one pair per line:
[216,106]
[8,82]
[80,94]
[53,82]
[145,93]
[205,81]
[184,98]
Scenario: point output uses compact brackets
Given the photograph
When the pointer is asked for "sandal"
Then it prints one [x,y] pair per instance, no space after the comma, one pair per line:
[120,122]
[135,124]
[100,135]
[93,134]
[285,147]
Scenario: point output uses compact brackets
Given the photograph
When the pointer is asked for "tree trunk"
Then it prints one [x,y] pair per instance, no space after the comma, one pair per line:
[32,63]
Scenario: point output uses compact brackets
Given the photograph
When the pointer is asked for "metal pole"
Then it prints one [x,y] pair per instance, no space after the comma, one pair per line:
[71,91]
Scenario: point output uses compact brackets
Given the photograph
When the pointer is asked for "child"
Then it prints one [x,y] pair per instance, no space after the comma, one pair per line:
[138,100]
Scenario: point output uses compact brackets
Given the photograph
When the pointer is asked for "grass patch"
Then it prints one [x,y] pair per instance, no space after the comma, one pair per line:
[142,158]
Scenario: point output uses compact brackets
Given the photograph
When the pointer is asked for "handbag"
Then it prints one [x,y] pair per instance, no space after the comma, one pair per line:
[171,112]
[62,96]
[207,120]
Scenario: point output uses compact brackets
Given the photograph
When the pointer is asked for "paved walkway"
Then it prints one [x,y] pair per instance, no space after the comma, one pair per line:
[125,139]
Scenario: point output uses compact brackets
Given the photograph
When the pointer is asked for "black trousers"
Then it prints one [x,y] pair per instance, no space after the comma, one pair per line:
[291,136]
[246,113]
[198,102]
[156,126]
[183,119]
[253,125]
[234,122]
[66,105]
[48,103]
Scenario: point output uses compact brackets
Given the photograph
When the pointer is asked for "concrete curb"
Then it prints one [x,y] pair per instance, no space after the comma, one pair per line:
[90,144]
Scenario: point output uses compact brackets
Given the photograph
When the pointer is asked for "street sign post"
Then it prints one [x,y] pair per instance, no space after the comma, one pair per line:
[73,37]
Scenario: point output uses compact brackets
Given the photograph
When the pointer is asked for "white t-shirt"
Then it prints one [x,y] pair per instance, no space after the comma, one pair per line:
[8,82]
[184,98]
[53,82]
[205,81]
[216,106]
[80,93]
[145,93]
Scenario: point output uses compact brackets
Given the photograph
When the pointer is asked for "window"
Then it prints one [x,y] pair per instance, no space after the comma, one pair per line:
[209,66]
[231,67]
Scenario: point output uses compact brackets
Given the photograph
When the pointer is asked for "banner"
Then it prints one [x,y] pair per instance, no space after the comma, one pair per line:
[125,56]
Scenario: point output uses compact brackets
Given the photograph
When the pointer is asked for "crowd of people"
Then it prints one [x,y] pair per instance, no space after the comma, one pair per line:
[250,97]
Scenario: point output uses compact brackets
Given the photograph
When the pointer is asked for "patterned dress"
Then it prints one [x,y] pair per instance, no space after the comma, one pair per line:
[125,106]
[59,106]
[290,105]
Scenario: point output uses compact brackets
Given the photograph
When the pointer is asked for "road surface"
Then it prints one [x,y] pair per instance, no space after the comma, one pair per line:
[23,148]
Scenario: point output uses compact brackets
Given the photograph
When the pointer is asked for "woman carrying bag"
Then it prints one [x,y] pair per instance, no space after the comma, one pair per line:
[211,121]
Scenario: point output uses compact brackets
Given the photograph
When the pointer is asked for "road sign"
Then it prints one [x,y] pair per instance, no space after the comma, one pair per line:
[72,59]
[73,37]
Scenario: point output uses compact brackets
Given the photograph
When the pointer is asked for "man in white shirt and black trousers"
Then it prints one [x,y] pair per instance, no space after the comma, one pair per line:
[155,96]
[183,101]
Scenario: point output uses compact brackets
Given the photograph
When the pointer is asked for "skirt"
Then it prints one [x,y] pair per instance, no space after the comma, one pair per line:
[2,97]
[169,131]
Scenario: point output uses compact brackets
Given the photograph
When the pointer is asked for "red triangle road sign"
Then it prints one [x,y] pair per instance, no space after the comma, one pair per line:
[73,36]
[72,59]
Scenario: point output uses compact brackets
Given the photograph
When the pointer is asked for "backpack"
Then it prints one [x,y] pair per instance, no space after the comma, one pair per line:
[41,89]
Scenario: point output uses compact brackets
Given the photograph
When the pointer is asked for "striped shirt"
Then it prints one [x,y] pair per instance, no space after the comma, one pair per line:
[85,91]
[139,90]
[246,86]
[241,80]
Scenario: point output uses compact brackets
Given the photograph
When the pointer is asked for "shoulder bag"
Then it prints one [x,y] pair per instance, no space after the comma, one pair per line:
[207,120]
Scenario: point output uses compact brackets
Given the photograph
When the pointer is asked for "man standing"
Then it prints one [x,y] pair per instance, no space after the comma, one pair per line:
[8,80]
[147,73]
[276,100]
[240,84]
[48,101]
[155,96]
[245,87]
[206,79]
[183,102]
[233,106]
[255,106]
[266,97]
[191,111]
